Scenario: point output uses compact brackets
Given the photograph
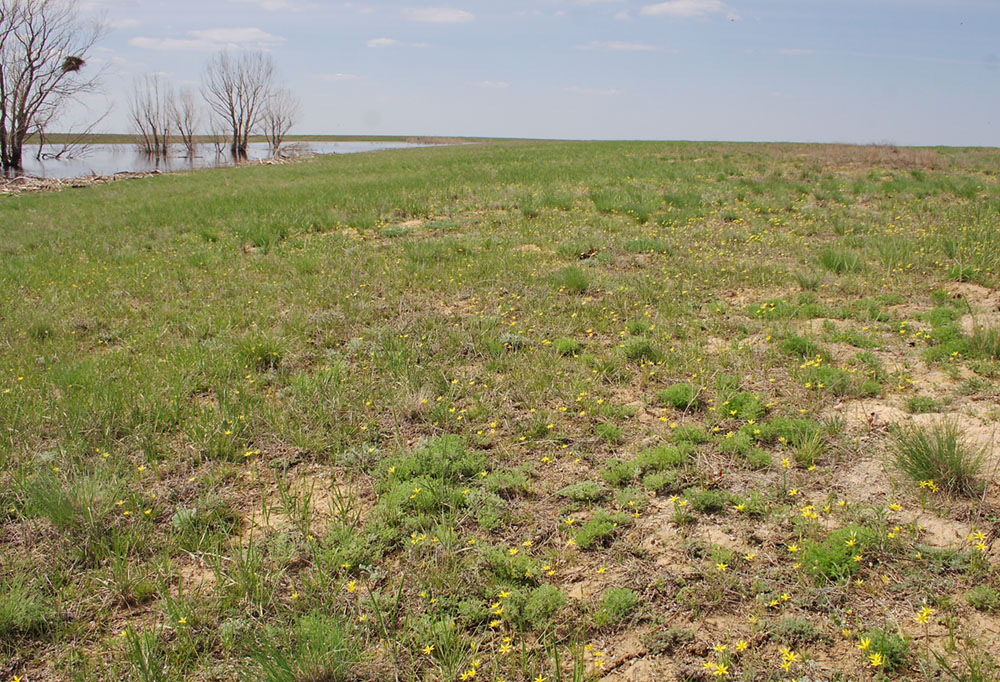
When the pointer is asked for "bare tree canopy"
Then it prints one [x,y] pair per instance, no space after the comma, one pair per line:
[151,110]
[44,45]
[186,118]
[280,113]
[237,88]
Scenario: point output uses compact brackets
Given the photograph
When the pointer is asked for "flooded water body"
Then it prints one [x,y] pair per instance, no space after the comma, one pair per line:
[108,159]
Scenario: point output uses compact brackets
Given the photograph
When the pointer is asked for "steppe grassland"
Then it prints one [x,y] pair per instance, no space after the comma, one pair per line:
[508,411]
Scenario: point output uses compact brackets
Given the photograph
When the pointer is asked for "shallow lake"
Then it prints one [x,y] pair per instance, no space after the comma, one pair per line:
[107,159]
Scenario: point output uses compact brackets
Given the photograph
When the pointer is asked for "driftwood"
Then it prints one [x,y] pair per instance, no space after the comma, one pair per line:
[26,183]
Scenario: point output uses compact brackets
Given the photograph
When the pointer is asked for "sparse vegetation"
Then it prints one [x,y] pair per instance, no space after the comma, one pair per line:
[504,411]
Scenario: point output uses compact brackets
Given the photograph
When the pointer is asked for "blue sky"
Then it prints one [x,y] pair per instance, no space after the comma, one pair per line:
[900,71]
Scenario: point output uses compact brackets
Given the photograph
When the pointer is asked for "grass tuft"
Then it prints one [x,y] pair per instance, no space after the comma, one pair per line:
[939,453]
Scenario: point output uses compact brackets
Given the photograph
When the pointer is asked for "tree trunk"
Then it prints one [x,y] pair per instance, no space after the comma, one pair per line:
[13,160]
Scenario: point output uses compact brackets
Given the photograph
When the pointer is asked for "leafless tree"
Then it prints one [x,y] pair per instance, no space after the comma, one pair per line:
[150,114]
[237,87]
[186,119]
[71,145]
[280,113]
[44,45]
[217,135]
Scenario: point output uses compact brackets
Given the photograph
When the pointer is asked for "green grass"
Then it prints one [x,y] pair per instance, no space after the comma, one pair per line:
[493,408]
[940,453]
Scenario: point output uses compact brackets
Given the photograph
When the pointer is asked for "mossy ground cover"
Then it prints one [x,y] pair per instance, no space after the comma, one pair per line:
[504,411]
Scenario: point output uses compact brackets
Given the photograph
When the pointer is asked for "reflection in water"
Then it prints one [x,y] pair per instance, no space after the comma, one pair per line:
[108,159]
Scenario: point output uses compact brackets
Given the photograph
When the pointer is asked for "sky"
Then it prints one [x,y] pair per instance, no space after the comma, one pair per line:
[907,72]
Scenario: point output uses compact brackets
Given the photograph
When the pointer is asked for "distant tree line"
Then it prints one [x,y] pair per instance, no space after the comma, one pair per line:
[44,48]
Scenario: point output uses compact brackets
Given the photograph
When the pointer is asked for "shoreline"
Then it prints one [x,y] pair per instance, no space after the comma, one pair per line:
[25,184]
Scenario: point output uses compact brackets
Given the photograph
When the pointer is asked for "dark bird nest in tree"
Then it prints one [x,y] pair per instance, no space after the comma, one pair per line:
[72,64]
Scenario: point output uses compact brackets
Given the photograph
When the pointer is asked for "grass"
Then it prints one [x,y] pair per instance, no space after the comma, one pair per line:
[504,410]
[940,453]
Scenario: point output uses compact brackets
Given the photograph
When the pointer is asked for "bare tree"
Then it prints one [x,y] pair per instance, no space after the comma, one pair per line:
[237,88]
[186,119]
[280,113]
[150,114]
[71,145]
[44,45]
[217,135]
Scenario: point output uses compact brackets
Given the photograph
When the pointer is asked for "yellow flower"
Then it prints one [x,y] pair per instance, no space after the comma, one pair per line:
[864,643]
[741,645]
[351,586]
[924,614]
[876,659]
[722,567]
[429,649]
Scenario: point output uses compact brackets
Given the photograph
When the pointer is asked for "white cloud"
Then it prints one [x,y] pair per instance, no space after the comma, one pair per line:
[592,91]
[392,42]
[382,42]
[338,77]
[122,24]
[439,15]
[107,4]
[619,46]
[795,52]
[624,15]
[277,5]
[209,40]
[683,8]
[493,85]
[172,44]
[237,36]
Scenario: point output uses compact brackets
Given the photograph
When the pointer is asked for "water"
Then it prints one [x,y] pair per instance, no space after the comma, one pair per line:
[108,159]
